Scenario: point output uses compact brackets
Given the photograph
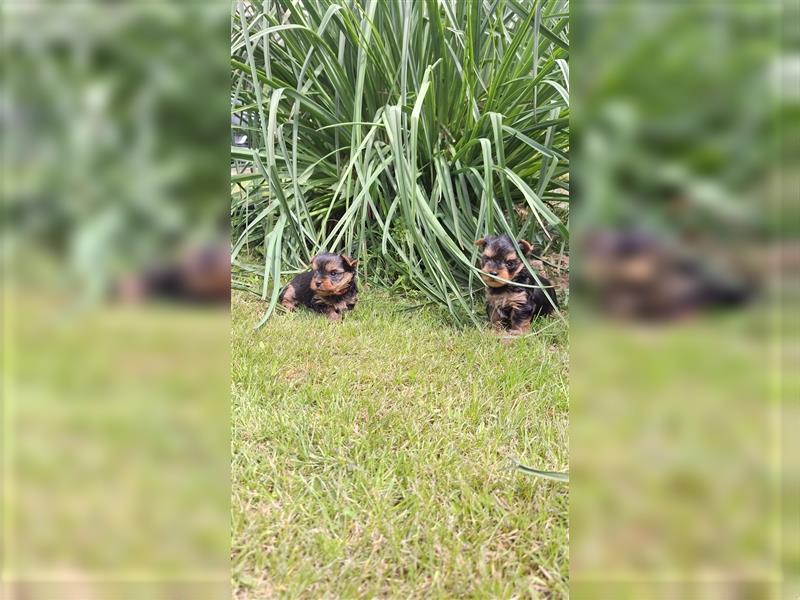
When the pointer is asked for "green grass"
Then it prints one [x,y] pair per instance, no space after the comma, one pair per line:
[374,457]
[115,449]
[676,462]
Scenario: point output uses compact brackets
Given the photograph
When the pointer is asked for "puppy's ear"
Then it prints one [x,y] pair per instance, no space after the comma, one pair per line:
[525,246]
[481,243]
[351,262]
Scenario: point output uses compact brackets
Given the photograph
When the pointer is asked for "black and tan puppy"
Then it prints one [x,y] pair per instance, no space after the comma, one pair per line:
[511,306]
[200,275]
[328,288]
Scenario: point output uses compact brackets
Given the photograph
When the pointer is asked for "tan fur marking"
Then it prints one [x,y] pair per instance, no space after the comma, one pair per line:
[352,262]
[526,246]
[335,312]
[495,316]
[503,274]
[342,285]
[523,328]
[511,299]
[288,299]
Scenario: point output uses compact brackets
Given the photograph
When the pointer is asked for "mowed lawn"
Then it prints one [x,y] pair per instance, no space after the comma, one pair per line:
[373,457]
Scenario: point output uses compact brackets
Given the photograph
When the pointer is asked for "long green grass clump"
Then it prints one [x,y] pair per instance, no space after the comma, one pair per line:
[398,132]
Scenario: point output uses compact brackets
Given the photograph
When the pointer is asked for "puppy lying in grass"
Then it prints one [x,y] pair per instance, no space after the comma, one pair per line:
[329,288]
[201,275]
[509,306]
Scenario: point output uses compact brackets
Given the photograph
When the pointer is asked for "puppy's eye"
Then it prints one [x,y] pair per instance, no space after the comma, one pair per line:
[511,263]
[336,273]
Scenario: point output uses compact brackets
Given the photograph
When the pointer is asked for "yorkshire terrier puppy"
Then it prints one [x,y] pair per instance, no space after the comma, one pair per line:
[511,306]
[328,288]
[637,275]
[200,275]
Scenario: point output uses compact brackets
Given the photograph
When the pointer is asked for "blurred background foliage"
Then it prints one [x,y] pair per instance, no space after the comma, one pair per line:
[115,430]
[96,123]
[683,461]
[398,132]
[679,131]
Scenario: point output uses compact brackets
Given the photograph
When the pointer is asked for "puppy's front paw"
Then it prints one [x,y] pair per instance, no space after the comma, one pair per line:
[288,298]
[520,328]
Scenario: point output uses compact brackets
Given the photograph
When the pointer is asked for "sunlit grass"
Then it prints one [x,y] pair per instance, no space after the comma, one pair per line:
[375,457]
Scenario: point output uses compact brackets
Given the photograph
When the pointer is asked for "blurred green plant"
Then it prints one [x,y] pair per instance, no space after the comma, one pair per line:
[678,132]
[398,132]
[114,137]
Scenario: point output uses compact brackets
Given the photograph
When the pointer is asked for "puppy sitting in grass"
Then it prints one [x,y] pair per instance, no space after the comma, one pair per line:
[510,306]
[329,288]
